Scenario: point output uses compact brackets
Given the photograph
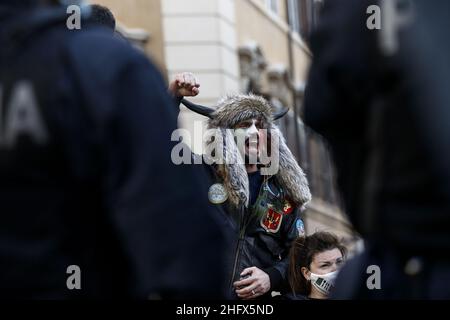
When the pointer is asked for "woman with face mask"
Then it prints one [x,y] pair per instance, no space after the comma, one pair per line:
[314,263]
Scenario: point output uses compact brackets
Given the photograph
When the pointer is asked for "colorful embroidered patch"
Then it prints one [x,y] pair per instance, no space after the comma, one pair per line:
[271,222]
[287,207]
[300,227]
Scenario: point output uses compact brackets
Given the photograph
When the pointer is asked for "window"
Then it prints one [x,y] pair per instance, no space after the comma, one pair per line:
[272,5]
[304,16]
[316,8]
[294,15]
[320,169]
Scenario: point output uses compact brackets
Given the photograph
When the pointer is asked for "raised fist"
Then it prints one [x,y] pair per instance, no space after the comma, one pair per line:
[184,85]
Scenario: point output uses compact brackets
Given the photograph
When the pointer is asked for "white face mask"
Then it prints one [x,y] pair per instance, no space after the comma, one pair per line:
[324,282]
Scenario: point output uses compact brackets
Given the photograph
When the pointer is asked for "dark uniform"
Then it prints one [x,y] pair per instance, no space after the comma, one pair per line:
[385,111]
[86,177]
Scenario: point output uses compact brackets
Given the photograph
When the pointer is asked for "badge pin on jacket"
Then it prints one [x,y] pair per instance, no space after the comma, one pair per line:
[217,194]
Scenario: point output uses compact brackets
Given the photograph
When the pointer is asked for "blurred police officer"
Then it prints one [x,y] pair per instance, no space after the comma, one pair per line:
[89,197]
[378,91]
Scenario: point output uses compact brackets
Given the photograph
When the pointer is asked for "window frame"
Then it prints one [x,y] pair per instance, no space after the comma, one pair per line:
[272,6]
[304,16]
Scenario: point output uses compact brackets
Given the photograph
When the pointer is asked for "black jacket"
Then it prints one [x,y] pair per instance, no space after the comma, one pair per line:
[257,247]
[86,176]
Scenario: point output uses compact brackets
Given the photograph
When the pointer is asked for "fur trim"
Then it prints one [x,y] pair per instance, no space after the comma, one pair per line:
[232,170]
[290,175]
[234,109]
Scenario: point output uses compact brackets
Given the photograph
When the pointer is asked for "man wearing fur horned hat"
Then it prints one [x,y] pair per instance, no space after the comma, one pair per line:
[261,208]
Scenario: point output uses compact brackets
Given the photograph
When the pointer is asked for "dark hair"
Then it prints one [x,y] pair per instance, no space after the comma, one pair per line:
[302,253]
[102,16]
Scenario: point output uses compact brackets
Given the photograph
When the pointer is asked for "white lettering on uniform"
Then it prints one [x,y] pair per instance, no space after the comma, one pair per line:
[21,116]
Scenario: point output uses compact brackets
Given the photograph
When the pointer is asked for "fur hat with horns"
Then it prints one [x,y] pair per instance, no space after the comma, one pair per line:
[230,111]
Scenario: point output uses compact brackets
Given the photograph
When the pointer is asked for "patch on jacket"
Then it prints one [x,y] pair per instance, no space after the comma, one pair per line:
[271,222]
[287,208]
[300,227]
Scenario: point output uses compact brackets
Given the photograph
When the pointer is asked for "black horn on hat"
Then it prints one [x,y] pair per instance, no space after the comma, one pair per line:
[204,111]
[280,114]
